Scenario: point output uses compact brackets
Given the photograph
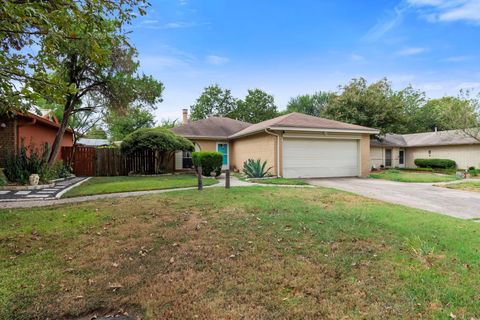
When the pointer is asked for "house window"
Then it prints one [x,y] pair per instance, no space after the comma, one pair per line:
[401,157]
[429,153]
[187,160]
[388,157]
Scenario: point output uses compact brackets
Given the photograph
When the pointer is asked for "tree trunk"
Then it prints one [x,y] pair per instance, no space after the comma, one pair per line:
[61,131]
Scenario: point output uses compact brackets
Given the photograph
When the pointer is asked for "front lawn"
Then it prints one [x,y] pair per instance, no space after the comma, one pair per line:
[101,185]
[280,181]
[242,253]
[402,176]
[467,186]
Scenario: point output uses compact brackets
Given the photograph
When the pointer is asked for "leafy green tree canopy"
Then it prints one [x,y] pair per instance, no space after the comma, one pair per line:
[214,101]
[376,105]
[121,124]
[96,133]
[155,139]
[313,104]
[258,106]
[51,26]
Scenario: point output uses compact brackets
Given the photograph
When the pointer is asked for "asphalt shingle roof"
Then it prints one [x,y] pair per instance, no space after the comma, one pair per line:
[214,127]
[439,138]
[297,120]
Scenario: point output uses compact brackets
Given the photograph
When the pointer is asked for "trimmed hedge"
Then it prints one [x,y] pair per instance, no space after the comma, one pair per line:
[210,161]
[435,163]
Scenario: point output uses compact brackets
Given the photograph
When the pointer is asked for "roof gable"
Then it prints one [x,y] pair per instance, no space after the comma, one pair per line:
[300,121]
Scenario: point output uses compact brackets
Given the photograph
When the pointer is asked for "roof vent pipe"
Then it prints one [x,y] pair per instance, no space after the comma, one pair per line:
[435,129]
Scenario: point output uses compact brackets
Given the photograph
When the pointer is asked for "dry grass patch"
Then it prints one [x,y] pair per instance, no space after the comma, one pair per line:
[244,253]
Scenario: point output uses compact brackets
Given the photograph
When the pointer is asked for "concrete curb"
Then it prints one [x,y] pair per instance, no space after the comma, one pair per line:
[61,193]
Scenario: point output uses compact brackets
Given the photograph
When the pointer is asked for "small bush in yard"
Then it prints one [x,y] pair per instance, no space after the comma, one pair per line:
[255,169]
[435,163]
[473,171]
[210,161]
[33,161]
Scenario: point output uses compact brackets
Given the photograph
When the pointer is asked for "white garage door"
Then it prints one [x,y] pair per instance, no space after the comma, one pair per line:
[315,158]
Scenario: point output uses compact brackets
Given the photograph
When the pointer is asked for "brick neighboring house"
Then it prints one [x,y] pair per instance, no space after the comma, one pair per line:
[30,130]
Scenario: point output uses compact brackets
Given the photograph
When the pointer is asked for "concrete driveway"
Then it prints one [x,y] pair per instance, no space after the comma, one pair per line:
[455,203]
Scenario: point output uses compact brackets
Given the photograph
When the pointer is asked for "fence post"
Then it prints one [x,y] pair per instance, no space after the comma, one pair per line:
[199,176]
[227,179]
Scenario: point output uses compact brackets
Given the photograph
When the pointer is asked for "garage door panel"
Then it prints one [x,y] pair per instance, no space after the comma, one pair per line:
[320,158]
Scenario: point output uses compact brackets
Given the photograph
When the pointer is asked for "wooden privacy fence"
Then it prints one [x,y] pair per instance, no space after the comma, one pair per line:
[89,161]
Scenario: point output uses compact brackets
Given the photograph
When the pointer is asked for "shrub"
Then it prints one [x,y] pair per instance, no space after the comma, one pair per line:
[210,161]
[29,161]
[473,172]
[255,169]
[435,163]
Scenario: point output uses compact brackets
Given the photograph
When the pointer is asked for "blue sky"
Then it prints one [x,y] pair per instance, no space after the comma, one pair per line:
[293,47]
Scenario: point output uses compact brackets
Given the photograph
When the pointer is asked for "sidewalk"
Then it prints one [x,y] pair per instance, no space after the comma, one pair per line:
[234,182]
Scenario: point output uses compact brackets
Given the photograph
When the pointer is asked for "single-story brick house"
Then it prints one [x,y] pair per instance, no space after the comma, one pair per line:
[395,150]
[294,145]
[30,130]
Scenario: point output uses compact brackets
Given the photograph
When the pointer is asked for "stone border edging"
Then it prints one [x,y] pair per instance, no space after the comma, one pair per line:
[61,193]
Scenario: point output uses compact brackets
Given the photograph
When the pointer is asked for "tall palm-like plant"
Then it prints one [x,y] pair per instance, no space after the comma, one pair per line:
[255,168]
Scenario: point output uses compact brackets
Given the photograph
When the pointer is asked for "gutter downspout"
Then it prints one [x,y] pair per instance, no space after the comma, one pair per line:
[278,149]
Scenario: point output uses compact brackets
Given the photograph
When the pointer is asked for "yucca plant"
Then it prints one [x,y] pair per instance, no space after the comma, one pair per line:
[255,169]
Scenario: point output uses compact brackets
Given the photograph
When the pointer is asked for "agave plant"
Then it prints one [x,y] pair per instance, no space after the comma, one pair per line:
[255,169]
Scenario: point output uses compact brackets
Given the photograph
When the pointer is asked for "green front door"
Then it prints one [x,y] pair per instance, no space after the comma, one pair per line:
[223,148]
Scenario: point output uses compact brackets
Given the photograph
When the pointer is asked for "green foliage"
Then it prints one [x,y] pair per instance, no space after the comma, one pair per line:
[3,180]
[258,106]
[210,161]
[255,168]
[392,171]
[310,104]
[156,139]
[29,160]
[96,133]
[34,34]
[122,123]
[473,171]
[214,101]
[168,124]
[435,163]
[416,169]
[376,105]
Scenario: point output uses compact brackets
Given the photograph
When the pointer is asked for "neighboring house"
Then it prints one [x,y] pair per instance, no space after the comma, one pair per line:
[29,129]
[294,145]
[87,142]
[394,150]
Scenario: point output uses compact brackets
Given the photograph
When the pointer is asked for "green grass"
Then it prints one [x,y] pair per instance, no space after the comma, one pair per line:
[102,185]
[467,186]
[281,181]
[402,176]
[251,252]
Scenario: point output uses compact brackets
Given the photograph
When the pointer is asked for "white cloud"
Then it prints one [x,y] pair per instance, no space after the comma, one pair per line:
[411,51]
[456,59]
[385,24]
[357,57]
[216,60]
[449,10]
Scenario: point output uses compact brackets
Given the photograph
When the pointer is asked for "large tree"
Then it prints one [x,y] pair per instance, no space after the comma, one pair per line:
[257,106]
[122,123]
[32,32]
[311,104]
[97,63]
[463,113]
[214,101]
[376,105]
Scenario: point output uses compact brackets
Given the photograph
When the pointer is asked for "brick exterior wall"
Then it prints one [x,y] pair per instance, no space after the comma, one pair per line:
[7,138]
